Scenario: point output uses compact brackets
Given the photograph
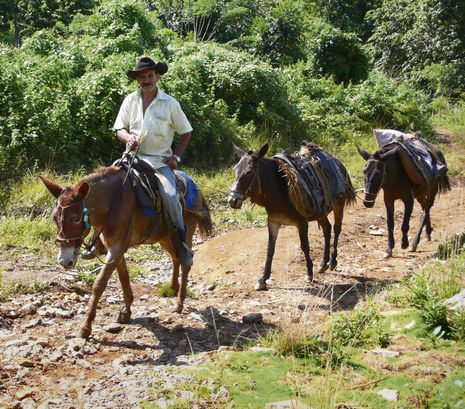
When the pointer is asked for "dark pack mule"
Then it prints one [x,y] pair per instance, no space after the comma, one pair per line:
[101,200]
[262,180]
[384,170]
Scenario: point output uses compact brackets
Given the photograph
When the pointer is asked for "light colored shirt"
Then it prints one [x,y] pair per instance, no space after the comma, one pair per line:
[156,128]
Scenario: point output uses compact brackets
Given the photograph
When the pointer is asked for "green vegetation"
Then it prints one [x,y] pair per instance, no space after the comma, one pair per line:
[327,365]
[244,71]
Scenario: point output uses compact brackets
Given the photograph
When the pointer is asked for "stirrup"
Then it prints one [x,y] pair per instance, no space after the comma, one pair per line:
[89,254]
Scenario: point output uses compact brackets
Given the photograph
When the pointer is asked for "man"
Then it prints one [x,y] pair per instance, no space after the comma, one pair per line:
[146,123]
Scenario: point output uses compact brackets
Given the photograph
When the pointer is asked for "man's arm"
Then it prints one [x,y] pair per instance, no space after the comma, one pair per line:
[128,138]
[180,148]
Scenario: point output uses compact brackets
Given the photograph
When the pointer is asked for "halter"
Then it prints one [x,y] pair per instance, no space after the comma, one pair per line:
[85,224]
[379,190]
[244,195]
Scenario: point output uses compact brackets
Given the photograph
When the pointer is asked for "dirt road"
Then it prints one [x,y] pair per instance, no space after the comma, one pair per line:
[43,365]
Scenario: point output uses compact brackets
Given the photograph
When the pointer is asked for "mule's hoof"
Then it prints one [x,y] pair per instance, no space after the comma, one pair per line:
[178,308]
[332,267]
[84,332]
[322,269]
[387,254]
[309,280]
[260,286]
[404,246]
[124,317]
[412,249]
[428,238]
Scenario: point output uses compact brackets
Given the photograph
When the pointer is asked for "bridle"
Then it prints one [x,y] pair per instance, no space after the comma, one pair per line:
[375,195]
[85,225]
[244,195]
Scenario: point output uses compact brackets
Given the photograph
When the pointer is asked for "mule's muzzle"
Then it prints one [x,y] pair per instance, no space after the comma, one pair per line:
[235,200]
[369,203]
[67,258]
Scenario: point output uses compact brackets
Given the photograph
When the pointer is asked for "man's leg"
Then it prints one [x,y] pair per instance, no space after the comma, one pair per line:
[167,186]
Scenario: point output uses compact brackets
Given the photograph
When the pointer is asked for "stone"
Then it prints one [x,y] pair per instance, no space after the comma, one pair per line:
[252,318]
[456,302]
[113,328]
[386,352]
[389,394]
[287,404]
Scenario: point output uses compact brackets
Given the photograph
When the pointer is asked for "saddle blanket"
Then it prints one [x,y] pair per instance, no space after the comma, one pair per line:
[418,156]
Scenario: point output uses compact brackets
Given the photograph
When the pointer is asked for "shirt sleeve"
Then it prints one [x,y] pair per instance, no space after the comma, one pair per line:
[122,120]
[179,120]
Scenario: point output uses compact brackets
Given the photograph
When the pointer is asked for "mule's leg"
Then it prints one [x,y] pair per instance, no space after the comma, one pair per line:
[182,289]
[424,217]
[305,246]
[123,274]
[191,224]
[167,244]
[273,230]
[408,208]
[326,227]
[338,216]
[428,227]
[97,289]
[389,203]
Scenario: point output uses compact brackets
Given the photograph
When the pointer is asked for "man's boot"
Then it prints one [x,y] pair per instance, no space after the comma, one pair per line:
[184,253]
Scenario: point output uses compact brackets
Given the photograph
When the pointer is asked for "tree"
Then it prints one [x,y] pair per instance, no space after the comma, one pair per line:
[27,16]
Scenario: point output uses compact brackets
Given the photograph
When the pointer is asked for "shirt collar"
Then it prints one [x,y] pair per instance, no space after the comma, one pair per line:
[160,94]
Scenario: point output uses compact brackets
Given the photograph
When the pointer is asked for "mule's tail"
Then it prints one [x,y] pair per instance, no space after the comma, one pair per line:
[350,191]
[205,223]
[443,184]
[443,181]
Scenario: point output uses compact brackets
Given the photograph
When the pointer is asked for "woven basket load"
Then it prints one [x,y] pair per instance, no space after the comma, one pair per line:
[297,194]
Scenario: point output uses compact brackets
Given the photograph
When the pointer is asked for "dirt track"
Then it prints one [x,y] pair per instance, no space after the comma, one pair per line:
[42,364]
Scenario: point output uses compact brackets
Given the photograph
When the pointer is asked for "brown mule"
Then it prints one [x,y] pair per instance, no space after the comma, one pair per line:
[262,180]
[113,207]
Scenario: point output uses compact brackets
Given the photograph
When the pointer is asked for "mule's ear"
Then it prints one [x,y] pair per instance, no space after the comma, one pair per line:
[81,191]
[261,153]
[239,151]
[53,188]
[390,152]
[363,153]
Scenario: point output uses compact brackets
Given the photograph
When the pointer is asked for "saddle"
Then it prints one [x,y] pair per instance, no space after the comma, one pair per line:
[419,158]
[313,177]
[144,181]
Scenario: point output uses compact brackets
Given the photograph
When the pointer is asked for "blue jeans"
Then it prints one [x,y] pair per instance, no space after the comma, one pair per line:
[166,181]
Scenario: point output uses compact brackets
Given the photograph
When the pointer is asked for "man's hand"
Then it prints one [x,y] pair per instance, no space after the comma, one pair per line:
[172,162]
[133,142]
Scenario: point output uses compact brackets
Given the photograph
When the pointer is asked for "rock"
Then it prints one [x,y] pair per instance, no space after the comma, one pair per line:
[113,328]
[410,325]
[177,328]
[24,392]
[389,394]
[456,302]
[386,352]
[287,404]
[252,318]
[27,363]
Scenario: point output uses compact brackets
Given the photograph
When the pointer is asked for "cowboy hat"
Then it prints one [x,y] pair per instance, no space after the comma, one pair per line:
[146,63]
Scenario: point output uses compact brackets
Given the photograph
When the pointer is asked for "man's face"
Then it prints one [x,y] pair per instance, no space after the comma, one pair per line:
[148,80]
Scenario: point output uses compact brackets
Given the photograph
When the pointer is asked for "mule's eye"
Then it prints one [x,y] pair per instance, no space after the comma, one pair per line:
[77,220]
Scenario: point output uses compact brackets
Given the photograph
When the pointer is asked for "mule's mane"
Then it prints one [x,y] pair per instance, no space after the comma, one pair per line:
[100,173]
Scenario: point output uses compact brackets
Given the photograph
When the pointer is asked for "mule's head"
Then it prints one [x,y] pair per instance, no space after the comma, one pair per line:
[375,174]
[245,174]
[69,215]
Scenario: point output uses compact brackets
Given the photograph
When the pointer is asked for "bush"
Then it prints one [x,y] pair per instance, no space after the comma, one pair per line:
[340,55]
